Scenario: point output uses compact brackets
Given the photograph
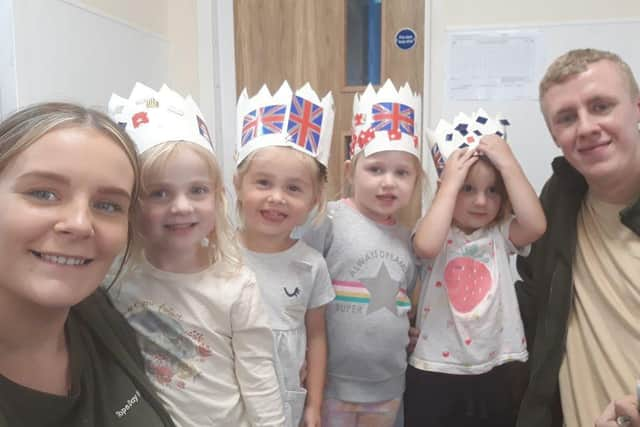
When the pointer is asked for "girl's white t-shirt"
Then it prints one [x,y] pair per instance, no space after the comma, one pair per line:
[468,313]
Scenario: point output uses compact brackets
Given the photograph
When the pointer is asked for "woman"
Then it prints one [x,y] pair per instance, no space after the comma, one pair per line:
[68,177]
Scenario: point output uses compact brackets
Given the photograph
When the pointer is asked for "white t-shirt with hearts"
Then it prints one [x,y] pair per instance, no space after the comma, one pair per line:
[468,313]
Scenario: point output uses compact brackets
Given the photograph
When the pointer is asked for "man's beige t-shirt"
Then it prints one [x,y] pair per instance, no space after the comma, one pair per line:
[602,361]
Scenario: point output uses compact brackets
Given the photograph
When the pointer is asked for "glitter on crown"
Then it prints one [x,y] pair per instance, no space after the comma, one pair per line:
[463,132]
[387,119]
[153,117]
[298,120]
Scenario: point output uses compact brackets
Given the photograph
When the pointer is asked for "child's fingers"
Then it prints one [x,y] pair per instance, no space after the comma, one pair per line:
[469,159]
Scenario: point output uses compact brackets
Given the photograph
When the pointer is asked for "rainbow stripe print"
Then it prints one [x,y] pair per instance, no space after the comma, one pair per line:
[354,292]
[402,300]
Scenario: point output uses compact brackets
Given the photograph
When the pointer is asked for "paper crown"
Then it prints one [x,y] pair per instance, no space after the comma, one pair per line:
[301,121]
[151,118]
[464,132]
[388,119]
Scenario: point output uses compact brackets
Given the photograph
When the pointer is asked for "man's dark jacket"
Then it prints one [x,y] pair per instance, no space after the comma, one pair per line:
[545,293]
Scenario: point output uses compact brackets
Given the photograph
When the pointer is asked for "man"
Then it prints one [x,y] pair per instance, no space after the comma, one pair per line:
[580,289]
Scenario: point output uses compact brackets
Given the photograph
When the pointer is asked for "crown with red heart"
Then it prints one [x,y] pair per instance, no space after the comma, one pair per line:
[151,118]
[386,120]
[298,120]
[464,132]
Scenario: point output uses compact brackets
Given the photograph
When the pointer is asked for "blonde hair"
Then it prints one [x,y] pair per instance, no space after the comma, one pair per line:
[577,61]
[318,170]
[22,129]
[222,244]
[347,186]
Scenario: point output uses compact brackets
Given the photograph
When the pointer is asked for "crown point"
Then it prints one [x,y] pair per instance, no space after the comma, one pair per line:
[300,121]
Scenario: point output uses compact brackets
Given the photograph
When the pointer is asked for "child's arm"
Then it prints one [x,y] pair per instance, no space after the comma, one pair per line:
[414,332]
[253,352]
[433,228]
[316,364]
[529,222]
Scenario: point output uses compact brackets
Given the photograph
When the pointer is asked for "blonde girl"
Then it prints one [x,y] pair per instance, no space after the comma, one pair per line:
[198,312]
[279,183]
[370,262]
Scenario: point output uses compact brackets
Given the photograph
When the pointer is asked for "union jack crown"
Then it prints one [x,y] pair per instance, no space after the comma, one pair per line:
[385,120]
[151,118]
[299,120]
[464,132]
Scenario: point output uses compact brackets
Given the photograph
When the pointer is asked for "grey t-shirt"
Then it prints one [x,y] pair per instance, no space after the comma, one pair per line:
[373,271]
[291,282]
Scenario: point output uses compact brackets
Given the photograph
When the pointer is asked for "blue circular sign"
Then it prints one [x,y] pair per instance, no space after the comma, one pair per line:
[406,38]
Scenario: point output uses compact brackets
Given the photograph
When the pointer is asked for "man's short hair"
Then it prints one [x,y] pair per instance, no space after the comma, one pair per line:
[577,61]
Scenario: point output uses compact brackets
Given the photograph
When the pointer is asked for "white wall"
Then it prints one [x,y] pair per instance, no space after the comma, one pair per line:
[8,83]
[82,50]
[149,15]
[443,15]
[66,51]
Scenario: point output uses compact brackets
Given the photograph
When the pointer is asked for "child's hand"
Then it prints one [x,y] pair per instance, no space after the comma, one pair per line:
[497,151]
[303,373]
[456,169]
[414,334]
[312,417]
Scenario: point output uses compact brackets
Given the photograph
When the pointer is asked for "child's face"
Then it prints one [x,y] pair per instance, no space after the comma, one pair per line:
[177,209]
[277,193]
[478,201]
[383,183]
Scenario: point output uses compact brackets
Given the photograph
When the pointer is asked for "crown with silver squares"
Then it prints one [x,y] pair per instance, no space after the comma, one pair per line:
[464,132]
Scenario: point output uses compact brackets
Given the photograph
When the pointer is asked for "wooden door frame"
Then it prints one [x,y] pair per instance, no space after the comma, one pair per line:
[217,77]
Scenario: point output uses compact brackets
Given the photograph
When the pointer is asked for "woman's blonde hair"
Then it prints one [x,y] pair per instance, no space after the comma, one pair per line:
[222,244]
[318,171]
[22,129]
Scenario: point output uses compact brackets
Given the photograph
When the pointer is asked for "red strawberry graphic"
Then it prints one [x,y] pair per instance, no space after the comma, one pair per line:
[445,354]
[468,281]
[438,284]
[467,341]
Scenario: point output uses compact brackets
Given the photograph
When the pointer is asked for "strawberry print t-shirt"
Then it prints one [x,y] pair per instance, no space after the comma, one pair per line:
[468,313]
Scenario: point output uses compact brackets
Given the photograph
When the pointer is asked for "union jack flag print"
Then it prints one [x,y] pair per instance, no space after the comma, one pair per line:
[263,121]
[305,123]
[392,117]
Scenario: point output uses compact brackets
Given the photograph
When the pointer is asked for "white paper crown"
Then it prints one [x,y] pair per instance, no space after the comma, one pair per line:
[464,132]
[388,119]
[151,118]
[301,121]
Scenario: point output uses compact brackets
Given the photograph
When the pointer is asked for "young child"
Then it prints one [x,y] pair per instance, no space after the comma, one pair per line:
[198,313]
[280,179]
[462,372]
[370,262]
